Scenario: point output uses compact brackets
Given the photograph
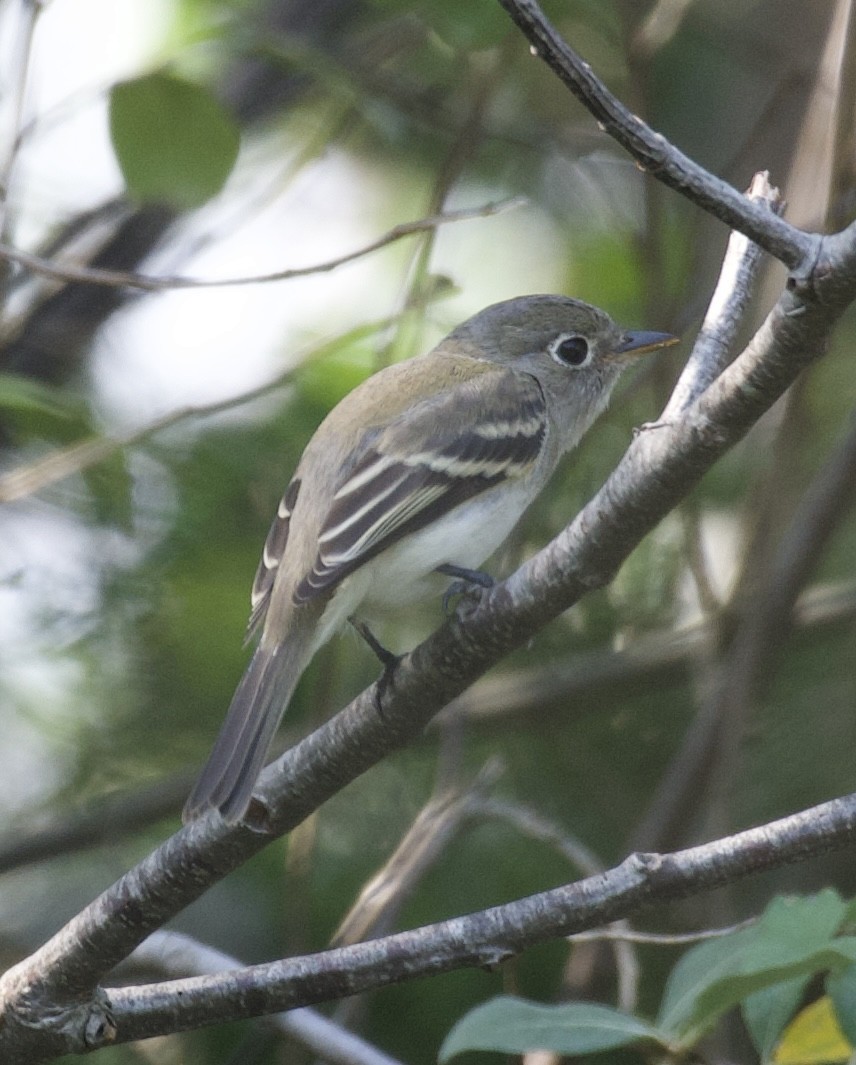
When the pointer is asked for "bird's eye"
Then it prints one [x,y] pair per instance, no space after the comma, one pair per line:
[570,350]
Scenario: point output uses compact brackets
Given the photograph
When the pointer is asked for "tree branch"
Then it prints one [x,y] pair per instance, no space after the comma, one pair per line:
[740,268]
[651,149]
[177,955]
[481,939]
[32,477]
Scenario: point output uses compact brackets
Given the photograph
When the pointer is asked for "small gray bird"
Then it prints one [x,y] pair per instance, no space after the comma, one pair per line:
[427,465]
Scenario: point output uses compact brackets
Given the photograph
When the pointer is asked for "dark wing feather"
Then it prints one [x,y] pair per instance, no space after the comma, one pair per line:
[274,549]
[436,457]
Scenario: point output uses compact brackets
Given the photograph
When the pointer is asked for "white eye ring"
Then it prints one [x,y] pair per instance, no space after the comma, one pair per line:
[570,350]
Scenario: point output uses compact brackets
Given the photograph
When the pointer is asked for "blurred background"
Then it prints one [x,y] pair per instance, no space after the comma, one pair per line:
[710,688]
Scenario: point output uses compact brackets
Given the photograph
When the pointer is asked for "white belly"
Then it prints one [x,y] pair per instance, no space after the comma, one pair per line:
[404,573]
[465,537]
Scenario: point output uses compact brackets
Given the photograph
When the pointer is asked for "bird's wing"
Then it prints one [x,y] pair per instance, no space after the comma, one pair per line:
[274,549]
[437,455]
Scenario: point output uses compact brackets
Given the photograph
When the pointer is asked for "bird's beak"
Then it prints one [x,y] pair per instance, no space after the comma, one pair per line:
[639,342]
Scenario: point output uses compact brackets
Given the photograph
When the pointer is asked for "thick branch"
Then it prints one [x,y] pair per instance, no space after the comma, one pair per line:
[481,939]
[176,955]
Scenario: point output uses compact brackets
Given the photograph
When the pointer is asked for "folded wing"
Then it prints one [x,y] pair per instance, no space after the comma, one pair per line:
[442,453]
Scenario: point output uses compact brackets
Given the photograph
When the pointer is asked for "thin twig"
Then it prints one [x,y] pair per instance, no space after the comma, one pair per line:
[696,558]
[116,817]
[653,152]
[659,939]
[759,636]
[537,826]
[659,26]
[423,843]
[147,283]
[841,193]
[463,146]
[32,477]
[103,823]
[655,659]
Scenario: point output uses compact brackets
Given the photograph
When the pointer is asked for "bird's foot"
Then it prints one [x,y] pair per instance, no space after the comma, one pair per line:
[468,582]
[387,659]
[648,427]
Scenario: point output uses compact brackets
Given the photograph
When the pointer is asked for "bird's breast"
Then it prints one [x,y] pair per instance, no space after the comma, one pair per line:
[466,536]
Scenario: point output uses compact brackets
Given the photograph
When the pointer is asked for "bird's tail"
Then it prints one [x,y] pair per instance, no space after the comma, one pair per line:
[227,781]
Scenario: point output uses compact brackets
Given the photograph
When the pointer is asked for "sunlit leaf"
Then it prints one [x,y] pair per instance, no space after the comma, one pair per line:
[813,1037]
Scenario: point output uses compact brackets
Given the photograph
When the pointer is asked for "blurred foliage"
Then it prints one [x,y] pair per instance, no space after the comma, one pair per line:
[127,587]
[174,142]
[764,969]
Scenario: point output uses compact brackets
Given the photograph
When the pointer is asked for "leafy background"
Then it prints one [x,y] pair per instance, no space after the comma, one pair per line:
[125,587]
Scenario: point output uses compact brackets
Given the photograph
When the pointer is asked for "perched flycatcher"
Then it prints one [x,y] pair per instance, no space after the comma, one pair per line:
[429,463]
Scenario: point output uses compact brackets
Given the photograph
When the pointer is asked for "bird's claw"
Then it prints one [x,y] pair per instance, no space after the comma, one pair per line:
[468,582]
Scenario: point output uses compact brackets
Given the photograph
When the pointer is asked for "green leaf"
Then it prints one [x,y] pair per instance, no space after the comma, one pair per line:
[28,396]
[766,1013]
[841,988]
[515,1026]
[698,970]
[811,919]
[174,142]
[794,937]
[468,27]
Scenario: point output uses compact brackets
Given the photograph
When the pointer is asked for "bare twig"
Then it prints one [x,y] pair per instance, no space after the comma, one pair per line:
[659,26]
[490,700]
[102,824]
[757,638]
[708,760]
[656,658]
[652,151]
[147,283]
[463,146]
[841,194]
[659,939]
[696,558]
[422,844]
[823,507]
